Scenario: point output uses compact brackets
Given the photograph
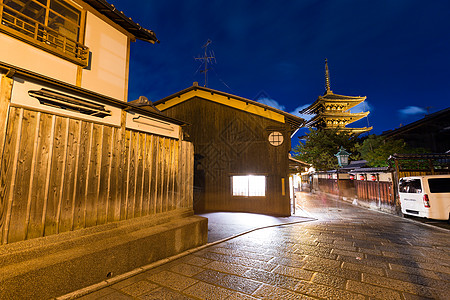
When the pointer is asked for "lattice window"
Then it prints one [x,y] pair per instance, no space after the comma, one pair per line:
[276,138]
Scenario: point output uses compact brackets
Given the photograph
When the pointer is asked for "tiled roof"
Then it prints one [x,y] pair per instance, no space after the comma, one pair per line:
[123,21]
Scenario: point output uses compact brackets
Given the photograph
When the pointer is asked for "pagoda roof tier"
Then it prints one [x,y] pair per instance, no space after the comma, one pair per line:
[333,100]
[341,118]
[357,130]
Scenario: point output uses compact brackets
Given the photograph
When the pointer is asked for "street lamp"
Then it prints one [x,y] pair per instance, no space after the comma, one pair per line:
[342,157]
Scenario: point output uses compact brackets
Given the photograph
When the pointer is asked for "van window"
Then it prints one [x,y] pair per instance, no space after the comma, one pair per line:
[409,185]
[439,185]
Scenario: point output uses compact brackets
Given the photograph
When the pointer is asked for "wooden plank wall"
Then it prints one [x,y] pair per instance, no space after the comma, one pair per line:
[60,174]
[375,191]
[235,142]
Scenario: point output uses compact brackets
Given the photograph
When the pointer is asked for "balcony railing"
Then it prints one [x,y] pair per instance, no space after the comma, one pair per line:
[25,28]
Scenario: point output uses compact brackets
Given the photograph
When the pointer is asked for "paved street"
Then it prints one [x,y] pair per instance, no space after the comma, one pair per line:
[347,253]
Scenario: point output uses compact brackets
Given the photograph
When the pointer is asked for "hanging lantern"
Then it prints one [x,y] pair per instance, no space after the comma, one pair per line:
[342,157]
[352,177]
[362,177]
[373,177]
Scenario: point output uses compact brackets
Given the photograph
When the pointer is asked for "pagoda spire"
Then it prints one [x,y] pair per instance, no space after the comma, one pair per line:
[327,78]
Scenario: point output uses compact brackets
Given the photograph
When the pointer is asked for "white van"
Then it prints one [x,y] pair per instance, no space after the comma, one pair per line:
[425,196]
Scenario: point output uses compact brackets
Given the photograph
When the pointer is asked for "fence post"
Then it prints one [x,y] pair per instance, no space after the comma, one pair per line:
[5,98]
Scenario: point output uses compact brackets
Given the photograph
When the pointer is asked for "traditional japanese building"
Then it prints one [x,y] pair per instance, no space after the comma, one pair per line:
[331,111]
[91,186]
[432,132]
[241,150]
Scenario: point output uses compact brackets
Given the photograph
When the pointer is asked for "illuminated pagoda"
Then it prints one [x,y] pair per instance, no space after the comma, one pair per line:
[332,111]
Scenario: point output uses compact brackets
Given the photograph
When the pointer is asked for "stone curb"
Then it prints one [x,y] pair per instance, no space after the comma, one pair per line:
[108,282]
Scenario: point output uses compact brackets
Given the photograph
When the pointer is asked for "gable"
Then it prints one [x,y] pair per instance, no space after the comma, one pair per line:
[232,102]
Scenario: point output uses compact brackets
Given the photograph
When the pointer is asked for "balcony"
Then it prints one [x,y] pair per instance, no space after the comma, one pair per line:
[21,26]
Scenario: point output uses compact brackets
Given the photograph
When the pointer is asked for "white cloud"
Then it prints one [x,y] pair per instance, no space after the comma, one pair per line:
[362,107]
[296,112]
[412,110]
[271,102]
[265,99]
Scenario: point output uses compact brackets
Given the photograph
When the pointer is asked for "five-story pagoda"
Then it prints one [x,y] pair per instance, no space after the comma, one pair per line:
[332,111]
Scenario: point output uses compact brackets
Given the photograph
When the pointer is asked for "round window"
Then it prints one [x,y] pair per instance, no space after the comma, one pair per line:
[276,138]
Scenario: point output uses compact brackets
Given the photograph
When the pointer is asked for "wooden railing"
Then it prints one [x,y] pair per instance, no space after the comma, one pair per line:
[25,28]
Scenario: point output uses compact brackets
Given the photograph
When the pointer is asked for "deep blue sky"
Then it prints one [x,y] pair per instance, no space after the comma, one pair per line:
[395,52]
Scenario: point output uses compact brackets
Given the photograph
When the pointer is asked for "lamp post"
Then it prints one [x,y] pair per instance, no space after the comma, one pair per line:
[342,157]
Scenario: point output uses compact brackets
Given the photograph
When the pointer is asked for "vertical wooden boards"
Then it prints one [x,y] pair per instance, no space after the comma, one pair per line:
[190,174]
[147,175]
[61,174]
[70,173]
[17,230]
[115,193]
[43,202]
[93,175]
[165,174]
[105,174]
[155,175]
[58,165]
[132,169]
[184,168]
[5,98]
[8,170]
[174,168]
[139,174]
[125,174]
[79,203]
[159,174]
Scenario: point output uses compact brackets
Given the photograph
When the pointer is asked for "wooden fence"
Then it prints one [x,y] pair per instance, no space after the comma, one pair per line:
[328,186]
[375,191]
[60,174]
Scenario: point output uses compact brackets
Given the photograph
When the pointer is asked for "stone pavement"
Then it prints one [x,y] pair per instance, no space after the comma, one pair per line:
[347,253]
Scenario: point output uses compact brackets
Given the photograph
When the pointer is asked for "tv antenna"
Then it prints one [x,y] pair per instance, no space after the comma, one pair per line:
[208,57]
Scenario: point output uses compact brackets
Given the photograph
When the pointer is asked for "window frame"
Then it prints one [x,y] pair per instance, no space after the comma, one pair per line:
[45,37]
[276,138]
[248,185]
[409,185]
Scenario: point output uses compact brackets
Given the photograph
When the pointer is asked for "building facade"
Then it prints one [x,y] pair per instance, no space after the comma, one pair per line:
[241,147]
[432,132]
[86,177]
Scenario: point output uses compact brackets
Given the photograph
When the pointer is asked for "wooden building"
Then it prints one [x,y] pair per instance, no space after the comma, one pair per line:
[241,150]
[432,132]
[331,110]
[91,186]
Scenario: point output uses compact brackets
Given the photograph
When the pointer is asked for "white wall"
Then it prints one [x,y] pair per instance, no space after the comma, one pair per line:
[108,69]
[26,56]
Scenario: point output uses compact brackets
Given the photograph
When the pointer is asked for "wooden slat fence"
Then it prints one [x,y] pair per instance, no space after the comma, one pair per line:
[375,191]
[328,186]
[60,174]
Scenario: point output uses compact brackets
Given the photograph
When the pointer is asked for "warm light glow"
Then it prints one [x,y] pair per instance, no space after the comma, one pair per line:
[249,186]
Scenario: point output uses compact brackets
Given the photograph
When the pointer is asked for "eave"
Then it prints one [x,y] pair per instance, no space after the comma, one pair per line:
[13,71]
[234,101]
[123,21]
[350,102]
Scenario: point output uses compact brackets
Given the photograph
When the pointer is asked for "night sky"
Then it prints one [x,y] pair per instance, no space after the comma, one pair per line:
[395,52]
